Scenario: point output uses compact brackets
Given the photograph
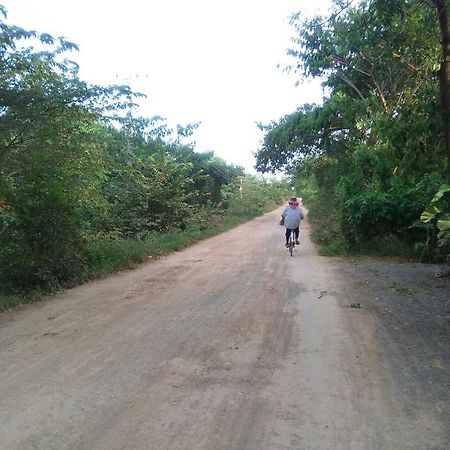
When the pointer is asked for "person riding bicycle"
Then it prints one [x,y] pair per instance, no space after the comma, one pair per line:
[290,218]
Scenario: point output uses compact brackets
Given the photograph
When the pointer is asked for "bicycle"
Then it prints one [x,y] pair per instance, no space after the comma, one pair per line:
[291,243]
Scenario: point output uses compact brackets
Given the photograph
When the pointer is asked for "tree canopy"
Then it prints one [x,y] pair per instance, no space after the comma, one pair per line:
[77,168]
[379,133]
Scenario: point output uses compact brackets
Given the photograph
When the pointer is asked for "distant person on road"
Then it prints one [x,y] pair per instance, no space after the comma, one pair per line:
[290,218]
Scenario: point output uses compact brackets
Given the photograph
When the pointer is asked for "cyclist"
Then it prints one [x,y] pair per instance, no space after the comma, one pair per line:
[290,218]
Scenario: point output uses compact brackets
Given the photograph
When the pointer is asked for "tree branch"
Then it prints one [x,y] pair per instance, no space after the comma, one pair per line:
[352,85]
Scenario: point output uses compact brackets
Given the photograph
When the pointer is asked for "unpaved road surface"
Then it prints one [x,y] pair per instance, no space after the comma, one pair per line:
[232,344]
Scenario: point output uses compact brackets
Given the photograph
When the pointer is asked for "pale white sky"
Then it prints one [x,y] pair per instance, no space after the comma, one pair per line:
[205,61]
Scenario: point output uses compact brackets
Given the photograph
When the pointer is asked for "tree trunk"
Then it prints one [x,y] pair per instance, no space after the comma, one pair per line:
[442,10]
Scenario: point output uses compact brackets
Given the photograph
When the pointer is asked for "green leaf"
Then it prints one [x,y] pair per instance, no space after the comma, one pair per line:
[430,213]
[443,190]
[444,222]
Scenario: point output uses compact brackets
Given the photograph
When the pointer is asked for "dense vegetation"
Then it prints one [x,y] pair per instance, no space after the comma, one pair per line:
[85,188]
[371,158]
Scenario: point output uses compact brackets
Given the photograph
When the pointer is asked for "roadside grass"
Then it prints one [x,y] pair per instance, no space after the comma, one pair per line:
[388,246]
[327,246]
[7,301]
[106,256]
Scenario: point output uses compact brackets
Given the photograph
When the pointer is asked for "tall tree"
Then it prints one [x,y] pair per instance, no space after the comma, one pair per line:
[442,9]
[50,155]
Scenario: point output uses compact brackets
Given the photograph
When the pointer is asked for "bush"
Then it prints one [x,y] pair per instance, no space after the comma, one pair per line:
[437,218]
[40,244]
[40,238]
[324,216]
[372,215]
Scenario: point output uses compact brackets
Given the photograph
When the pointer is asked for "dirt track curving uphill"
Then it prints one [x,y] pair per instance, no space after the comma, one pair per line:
[232,344]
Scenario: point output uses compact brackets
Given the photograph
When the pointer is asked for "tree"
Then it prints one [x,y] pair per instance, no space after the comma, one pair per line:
[376,138]
[442,10]
[378,59]
[50,157]
[75,170]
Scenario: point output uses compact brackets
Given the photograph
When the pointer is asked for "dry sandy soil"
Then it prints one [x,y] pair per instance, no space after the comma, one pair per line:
[233,344]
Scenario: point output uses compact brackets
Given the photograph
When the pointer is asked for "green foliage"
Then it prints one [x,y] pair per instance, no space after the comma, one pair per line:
[85,188]
[209,174]
[146,195]
[49,158]
[324,216]
[375,214]
[305,186]
[252,196]
[110,254]
[309,132]
[437,214]
[373,145]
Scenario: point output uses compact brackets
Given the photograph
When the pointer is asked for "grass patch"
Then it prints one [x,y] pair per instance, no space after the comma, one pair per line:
[108,256]
[388,246]
[330,248]
[11,300]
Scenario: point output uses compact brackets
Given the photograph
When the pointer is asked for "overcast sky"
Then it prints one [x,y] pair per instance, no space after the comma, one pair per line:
[205,61]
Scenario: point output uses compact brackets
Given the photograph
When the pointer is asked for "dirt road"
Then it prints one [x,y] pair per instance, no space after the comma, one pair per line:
[230,344]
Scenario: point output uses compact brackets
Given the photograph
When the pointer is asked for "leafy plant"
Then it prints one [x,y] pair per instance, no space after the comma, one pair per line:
[438,214]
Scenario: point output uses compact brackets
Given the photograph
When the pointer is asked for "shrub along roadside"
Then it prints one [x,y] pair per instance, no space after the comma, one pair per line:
[327,234]
[257,197]
[377,223]
[325,230]
[107,256]
[372,224]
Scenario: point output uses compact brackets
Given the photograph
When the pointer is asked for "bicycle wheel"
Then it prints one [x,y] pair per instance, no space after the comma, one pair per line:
[291,245]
